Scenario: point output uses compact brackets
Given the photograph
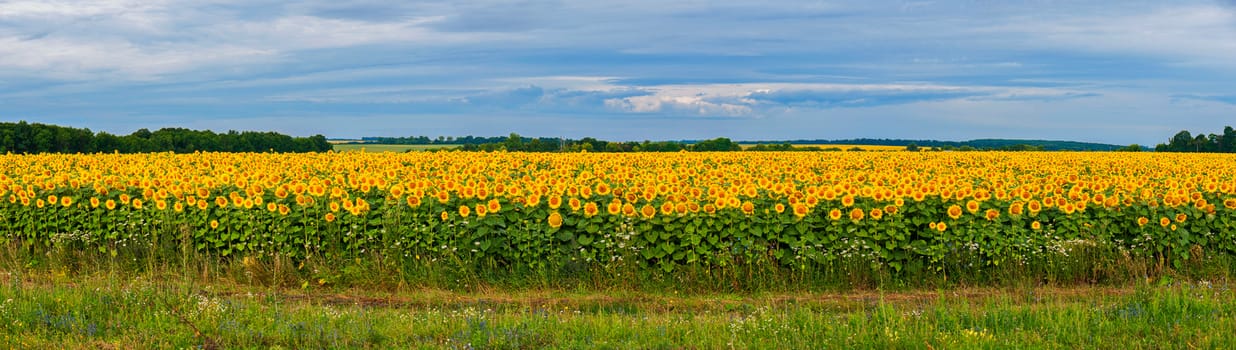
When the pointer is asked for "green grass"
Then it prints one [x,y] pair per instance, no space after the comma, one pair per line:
[101,311]
[357,147]
[167,297]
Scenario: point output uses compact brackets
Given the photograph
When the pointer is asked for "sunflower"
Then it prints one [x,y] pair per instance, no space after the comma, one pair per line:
[444,216]
[800,210]
[554,220]
[857,214]
[648,211]
[628,209]
[1036,225]
[1181,217]
[829,195]
[614,207]
[494,205]
[918,196]
[991,214]
[1142,221]
[1164,221]
[464,211]
[413,201]
[748,208]
[847,201]
[710,209]
[972,206]
[219,201]
[680,208]
[1016,209]
[66,201]
[575,204]
[779,208]
[590,209]
[283,210]
[941,227]
[954,212]
[876,214]
[532,200]
[481,210]
[214,224]
[1068,209]
[667,208]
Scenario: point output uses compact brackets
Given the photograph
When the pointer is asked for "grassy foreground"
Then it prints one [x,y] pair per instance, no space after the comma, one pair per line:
[162,297]
[102,312]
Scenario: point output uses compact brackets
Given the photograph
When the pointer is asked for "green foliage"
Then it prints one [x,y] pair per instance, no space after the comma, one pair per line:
[1186,142]
[22,137]
[518,235]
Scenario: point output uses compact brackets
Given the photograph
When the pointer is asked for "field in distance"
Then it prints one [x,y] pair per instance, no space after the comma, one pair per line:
[370,147]
[846,147]
[373,147]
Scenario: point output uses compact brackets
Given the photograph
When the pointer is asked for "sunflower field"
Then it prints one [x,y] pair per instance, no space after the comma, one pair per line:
[657,210]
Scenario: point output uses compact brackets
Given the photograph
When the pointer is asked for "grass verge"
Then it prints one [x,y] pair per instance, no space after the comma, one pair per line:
[98,311]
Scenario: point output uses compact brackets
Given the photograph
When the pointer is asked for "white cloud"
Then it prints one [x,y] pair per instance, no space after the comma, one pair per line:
[677,104]
[143,40]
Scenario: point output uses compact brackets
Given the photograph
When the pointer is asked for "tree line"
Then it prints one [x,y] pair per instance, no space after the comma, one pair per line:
[517,143]
[1184,141]
[23,137]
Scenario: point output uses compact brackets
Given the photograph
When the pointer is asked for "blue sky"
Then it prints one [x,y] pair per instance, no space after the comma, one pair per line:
[1104,71]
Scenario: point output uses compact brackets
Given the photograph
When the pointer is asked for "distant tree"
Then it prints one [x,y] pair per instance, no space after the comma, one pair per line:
[1130,148]
[720,144]
[912,147]
[1181,142]
[514,143]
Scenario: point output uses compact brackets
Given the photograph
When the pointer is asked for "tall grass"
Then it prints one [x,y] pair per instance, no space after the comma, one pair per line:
[100,312]
[172,258]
